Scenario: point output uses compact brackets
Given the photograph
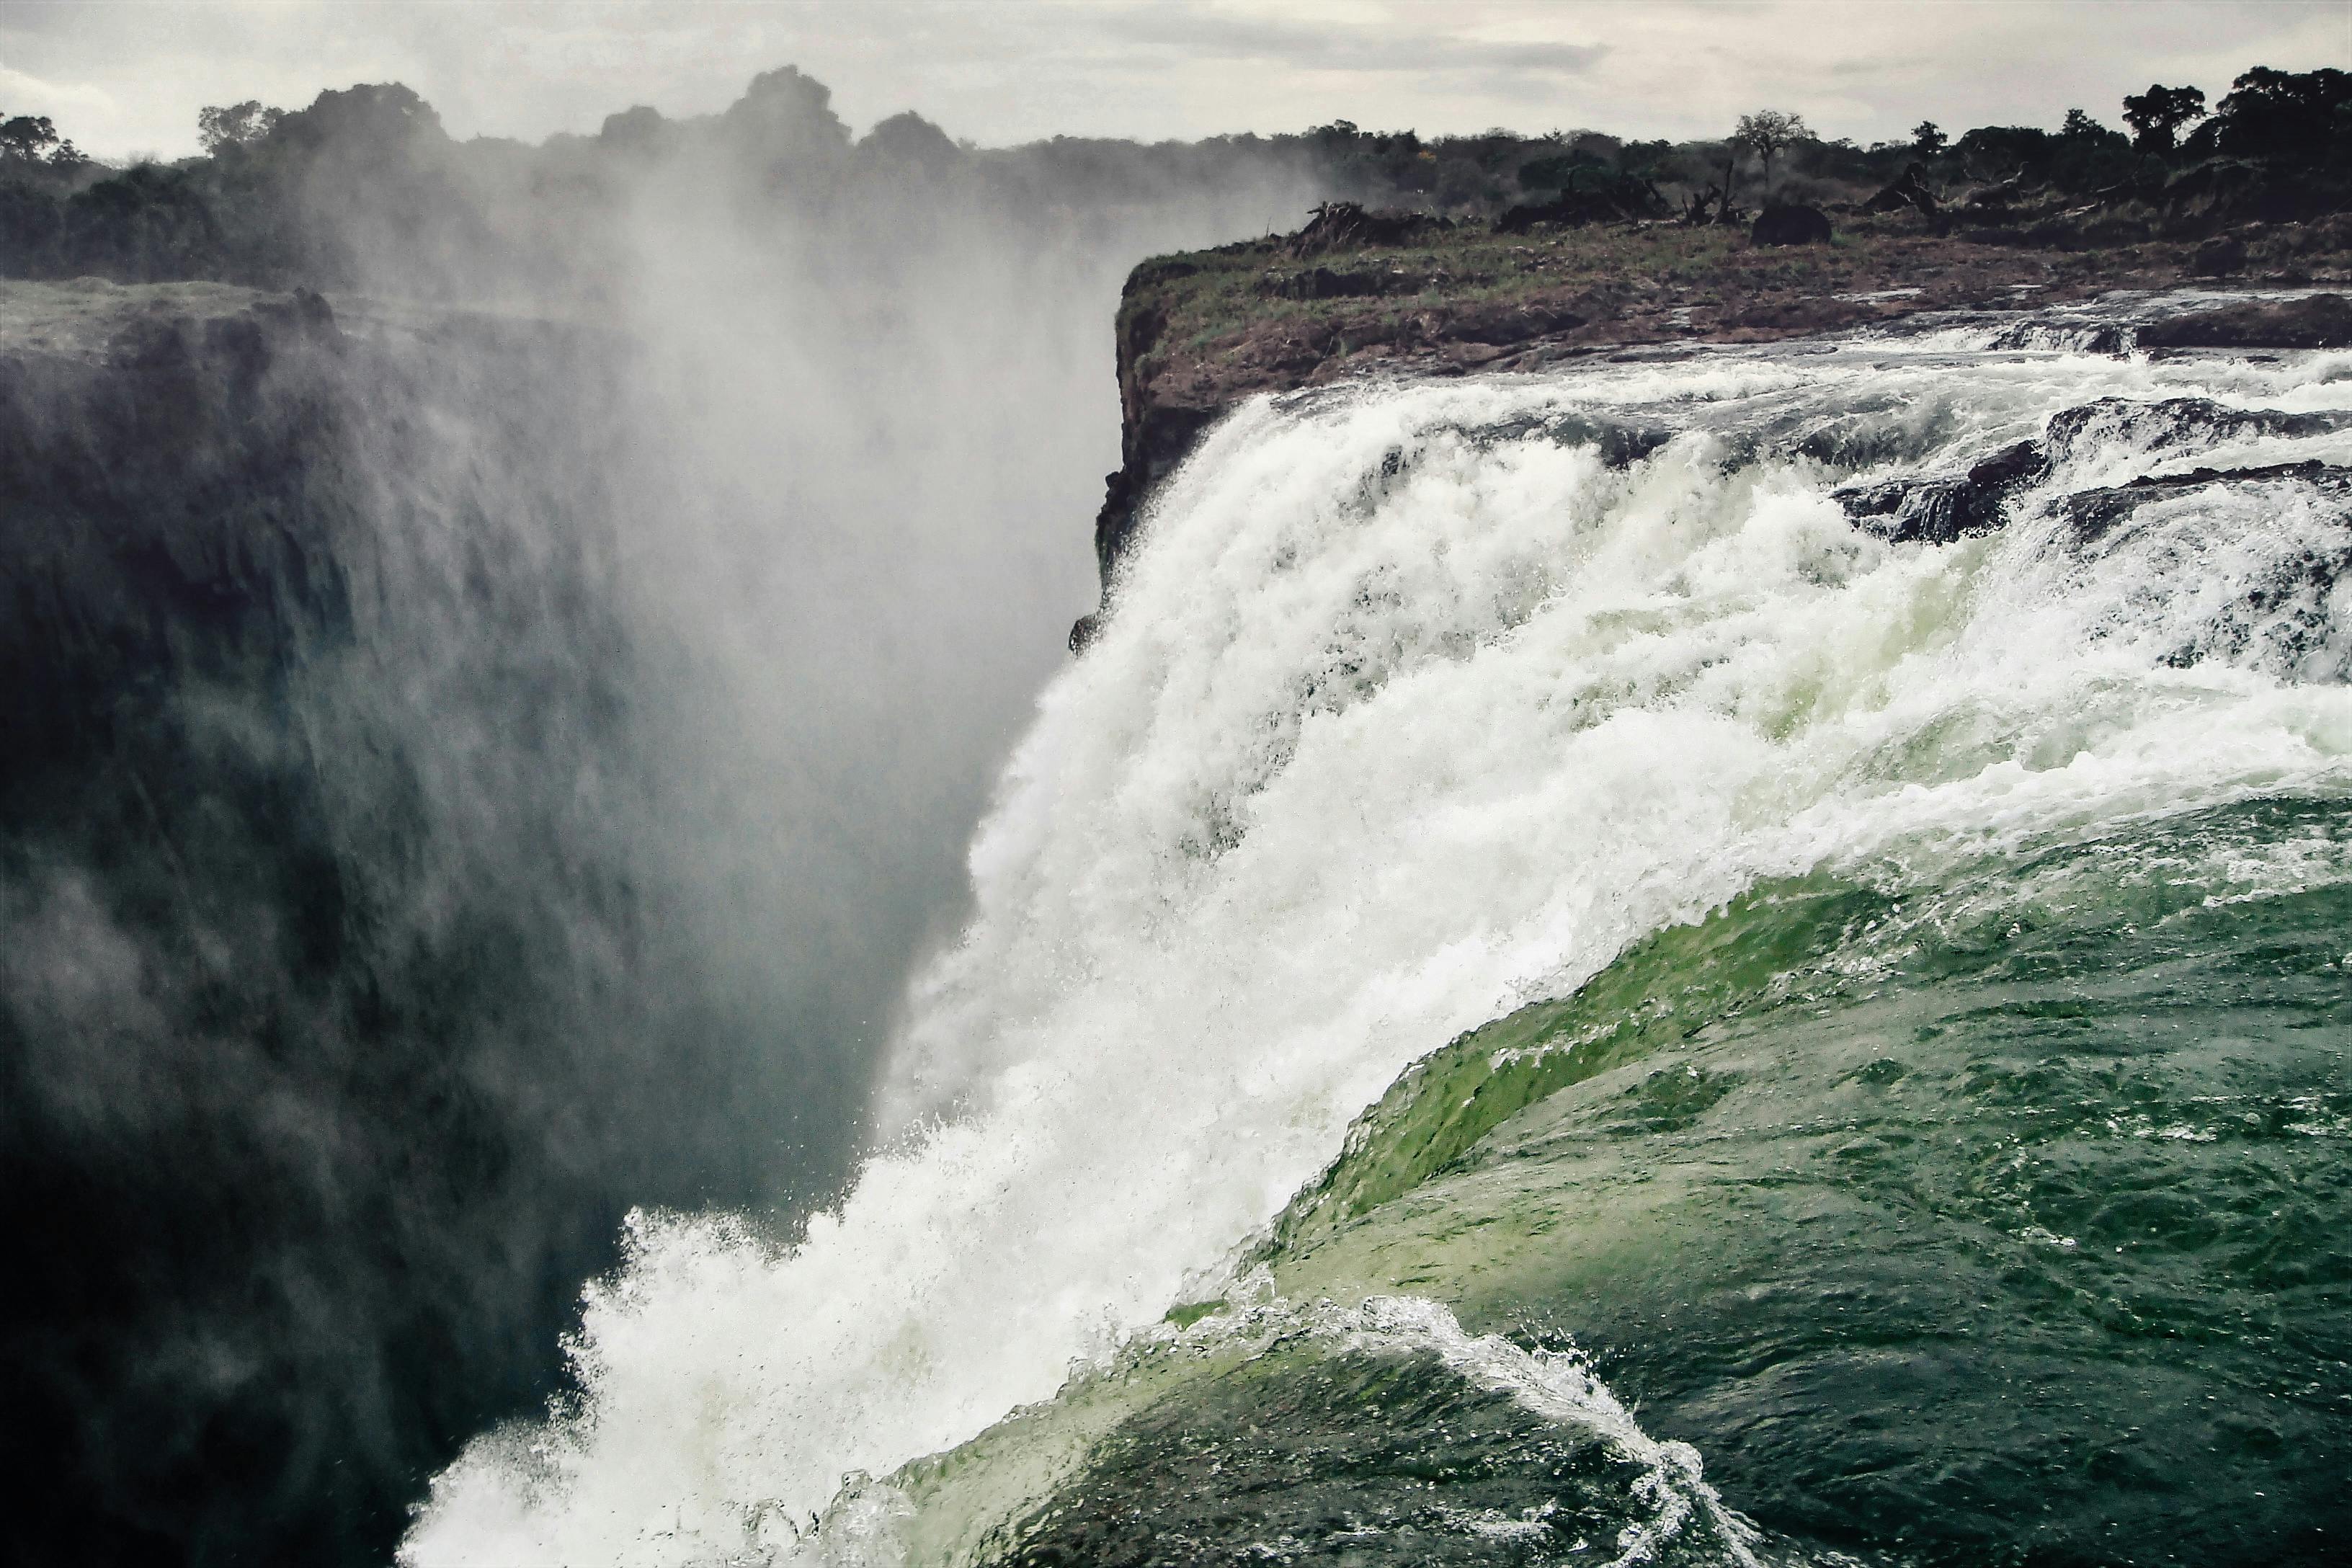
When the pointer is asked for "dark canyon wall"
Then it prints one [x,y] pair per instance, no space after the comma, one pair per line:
[342,1010]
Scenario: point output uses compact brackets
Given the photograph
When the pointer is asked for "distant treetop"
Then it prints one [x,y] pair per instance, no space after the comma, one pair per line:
[234,126]
[2157,116]
[1769,133]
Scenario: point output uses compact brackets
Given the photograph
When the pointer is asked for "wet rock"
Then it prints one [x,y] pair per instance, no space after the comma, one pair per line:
[2313,322]
[2095,513]
[1940,509]
[2073,338]
[1791,226]
[2182,422]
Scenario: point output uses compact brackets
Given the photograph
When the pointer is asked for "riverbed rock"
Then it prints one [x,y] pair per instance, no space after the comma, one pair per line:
[1940,509]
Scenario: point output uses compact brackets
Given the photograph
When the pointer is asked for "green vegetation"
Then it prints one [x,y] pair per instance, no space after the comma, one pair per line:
[365,185]
[1227,292]
[1185,1314]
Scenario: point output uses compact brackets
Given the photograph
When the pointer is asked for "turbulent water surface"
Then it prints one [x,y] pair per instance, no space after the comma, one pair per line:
[1898,990]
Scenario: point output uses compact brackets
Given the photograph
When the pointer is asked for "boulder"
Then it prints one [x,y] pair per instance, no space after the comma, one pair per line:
[1791,226]
[2218,259]
[1940,509]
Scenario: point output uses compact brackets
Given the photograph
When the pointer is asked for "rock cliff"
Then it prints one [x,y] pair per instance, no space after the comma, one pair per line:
[321,1078]
[1196,334]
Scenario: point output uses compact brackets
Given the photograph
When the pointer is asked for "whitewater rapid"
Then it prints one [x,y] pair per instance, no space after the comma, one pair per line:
[1414,707]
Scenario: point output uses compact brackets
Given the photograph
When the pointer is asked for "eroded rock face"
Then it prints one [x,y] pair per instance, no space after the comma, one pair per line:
[320,958]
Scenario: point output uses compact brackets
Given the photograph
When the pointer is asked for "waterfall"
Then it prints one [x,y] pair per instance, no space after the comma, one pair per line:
[1420,703]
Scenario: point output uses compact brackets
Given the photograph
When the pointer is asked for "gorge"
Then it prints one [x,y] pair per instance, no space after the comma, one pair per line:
[1893,986]
[1685,905]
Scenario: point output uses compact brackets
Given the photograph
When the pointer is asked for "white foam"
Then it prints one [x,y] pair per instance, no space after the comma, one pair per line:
[1360,762]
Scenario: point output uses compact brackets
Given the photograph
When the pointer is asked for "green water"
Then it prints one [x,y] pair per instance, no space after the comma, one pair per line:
[2004,1221]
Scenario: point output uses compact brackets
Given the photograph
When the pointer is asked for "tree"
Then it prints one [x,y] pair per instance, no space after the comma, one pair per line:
[2000,153]
[1927,139]
[234,126]
[27,138]
[2080,127]
[2157,116]
[2296,117]
[1767,133]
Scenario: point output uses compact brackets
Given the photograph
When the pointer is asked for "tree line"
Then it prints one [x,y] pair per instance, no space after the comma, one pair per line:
[364,184]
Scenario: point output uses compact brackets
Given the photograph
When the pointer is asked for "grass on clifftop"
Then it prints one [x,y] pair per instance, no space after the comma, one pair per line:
[1228,291]
[1224,323]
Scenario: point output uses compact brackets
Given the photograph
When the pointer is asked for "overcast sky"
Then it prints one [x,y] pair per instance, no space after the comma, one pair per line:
[126,76]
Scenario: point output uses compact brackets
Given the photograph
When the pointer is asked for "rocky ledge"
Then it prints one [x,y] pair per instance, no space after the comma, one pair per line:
[1356,295]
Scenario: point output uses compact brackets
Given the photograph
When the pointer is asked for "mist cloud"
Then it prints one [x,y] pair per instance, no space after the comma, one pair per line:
[491,759]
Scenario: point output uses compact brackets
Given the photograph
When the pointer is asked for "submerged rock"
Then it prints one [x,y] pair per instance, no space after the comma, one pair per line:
[2176,422]
[2095,513]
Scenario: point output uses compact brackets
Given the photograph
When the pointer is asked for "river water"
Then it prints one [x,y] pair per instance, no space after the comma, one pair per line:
[1543,994]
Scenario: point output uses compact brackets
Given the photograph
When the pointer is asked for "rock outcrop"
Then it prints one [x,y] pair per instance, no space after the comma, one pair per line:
[1940,509]
[311,667]
[1348,225]
[1389,294]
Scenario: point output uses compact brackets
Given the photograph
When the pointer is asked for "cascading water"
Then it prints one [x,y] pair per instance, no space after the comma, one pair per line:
[1424,705]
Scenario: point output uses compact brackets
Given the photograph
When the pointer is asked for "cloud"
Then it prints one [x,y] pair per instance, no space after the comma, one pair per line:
[130,75]
[1377,48]
[22,93]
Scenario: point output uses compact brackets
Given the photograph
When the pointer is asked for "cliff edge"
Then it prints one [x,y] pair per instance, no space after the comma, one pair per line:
[1198,333]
